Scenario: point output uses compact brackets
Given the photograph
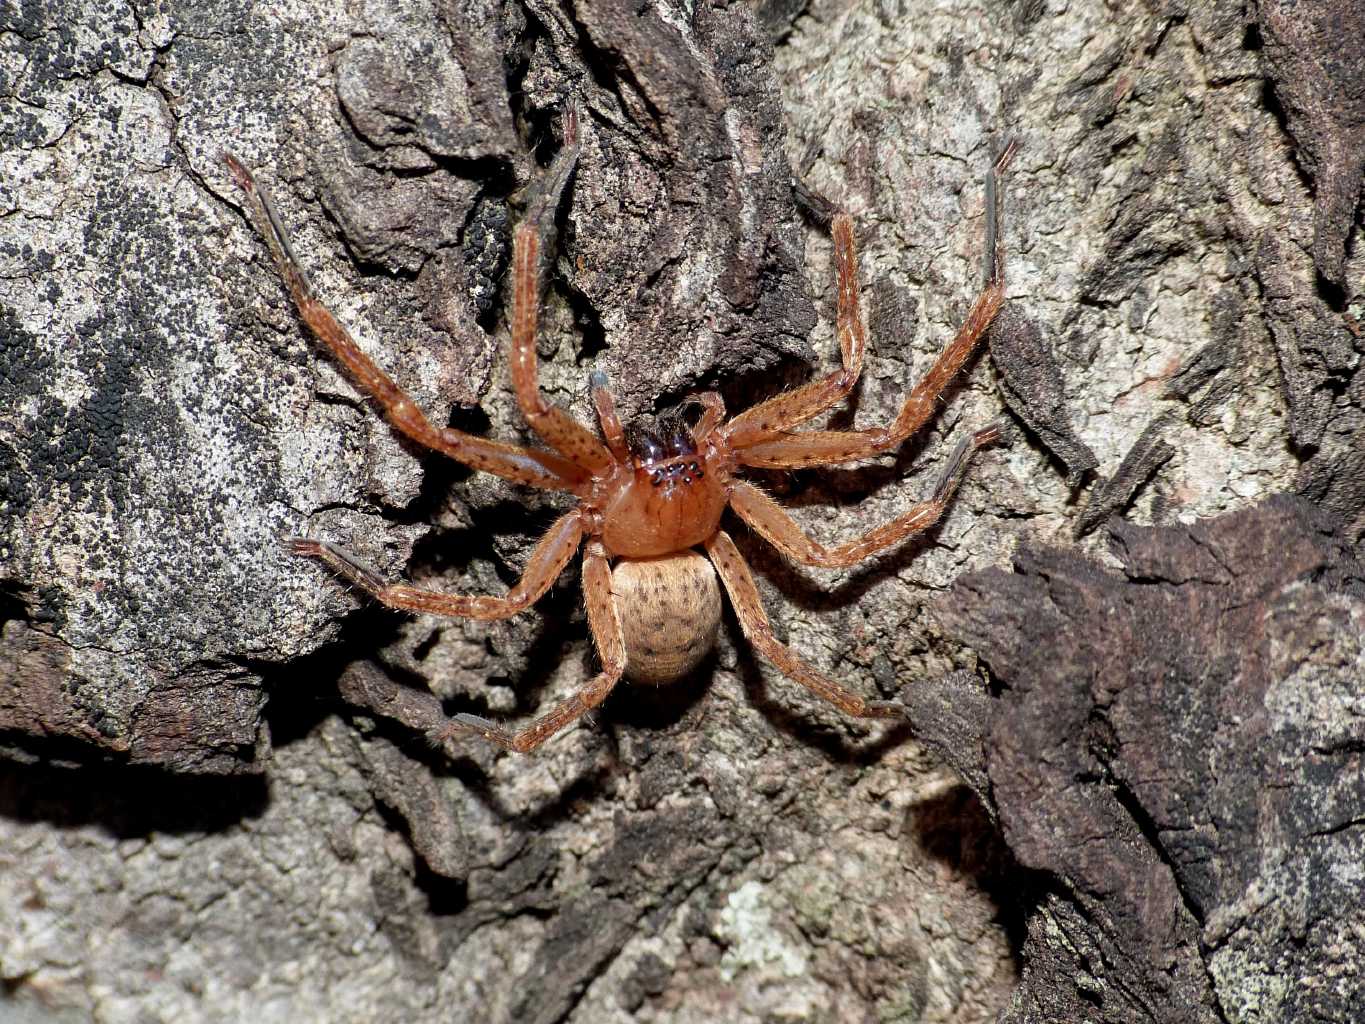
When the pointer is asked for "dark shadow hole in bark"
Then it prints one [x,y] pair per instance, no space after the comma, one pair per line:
[955,829]
[1335,296]
[441,557]
[592,339]
[445,896]
[304,691]
[535,124]
[590,788]
[538,661]
[1270,100]
[440,474]
[648,707]
[749,386]
[12,605]
[127,801]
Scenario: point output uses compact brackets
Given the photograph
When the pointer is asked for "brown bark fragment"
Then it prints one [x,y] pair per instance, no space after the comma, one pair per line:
[1315,55]
[1150,755]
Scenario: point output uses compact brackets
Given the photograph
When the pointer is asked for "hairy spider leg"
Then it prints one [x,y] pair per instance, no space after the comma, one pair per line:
[556,427]
[769,419]
[776,449]
[521,465]
[739,585]
[771,522]
[552,553]
[605,624]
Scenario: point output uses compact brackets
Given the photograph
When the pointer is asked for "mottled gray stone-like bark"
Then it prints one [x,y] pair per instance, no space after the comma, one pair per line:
[219,803]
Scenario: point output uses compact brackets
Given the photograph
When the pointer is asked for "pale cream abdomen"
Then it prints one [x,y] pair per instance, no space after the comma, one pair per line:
[670,612]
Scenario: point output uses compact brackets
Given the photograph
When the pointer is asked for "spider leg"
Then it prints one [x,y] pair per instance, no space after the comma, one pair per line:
[825,447]
[522,465]
[773,524]
[768,419]
[547,561]
[775,448]
[611,647]
[556,427]
[739,584]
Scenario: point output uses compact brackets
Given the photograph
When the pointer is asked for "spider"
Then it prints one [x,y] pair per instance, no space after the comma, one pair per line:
[650,496]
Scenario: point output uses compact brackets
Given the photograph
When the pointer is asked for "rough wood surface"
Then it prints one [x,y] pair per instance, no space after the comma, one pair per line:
[217,803]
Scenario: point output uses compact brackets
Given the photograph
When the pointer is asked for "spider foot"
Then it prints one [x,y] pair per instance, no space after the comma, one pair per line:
[996,432]
[885,709]
[463,725]
[305,546]
[342,562]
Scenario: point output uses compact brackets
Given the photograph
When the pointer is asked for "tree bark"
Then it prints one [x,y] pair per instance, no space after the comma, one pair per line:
[1130,786]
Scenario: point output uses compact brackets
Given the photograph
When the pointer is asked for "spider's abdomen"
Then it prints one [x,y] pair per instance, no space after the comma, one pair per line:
[670,612]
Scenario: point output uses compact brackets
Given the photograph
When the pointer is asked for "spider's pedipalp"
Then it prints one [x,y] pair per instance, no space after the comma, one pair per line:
[605,404]
[712,415]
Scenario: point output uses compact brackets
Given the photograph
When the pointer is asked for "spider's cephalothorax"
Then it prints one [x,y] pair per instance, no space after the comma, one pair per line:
[648,498]
[672,482]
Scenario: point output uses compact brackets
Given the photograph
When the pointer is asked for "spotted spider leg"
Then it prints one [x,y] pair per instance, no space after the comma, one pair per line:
[605,624]
[522,465]
[549,558]
[738,582]
[764,440]
[528,466]
[771,522]
[769,419]
[555,426]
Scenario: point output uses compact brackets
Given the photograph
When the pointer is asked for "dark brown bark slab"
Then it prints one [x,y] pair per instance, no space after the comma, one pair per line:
[1315,55]
[1171,741]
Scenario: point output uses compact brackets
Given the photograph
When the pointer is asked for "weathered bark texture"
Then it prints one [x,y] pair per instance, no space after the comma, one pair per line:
[218,802]
[1177,753]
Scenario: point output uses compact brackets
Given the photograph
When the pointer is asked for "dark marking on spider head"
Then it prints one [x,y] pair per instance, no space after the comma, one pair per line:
[659,438]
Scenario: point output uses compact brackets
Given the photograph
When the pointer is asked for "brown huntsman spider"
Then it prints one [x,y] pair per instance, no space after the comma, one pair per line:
[649,497]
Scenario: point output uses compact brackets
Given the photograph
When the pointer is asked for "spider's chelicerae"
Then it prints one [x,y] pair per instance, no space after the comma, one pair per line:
[651,496]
